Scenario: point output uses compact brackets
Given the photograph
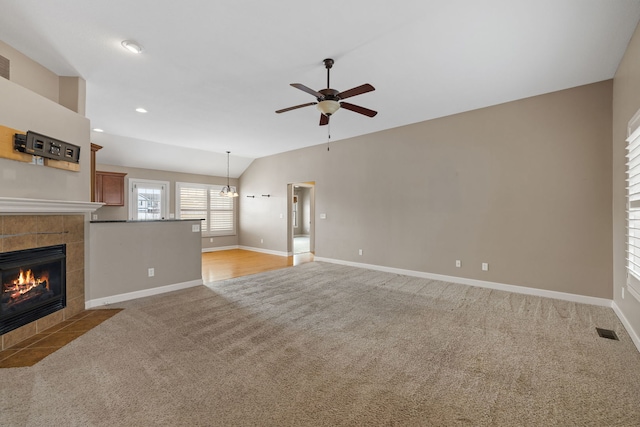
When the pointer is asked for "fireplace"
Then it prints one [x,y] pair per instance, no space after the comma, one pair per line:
[33,285]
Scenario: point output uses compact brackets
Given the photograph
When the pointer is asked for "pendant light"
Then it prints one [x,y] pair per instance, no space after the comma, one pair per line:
[228,191]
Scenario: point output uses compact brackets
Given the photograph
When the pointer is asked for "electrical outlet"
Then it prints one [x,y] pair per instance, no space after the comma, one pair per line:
[210,239]
[195,228]
[152,272]
[261,240]
[485,266]
[458,263]
[94,216]
[359,251]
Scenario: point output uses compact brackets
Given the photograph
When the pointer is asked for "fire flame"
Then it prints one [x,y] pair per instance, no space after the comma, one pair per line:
[24,283]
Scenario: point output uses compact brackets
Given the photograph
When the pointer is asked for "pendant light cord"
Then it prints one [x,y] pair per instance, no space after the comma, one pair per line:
[228,186]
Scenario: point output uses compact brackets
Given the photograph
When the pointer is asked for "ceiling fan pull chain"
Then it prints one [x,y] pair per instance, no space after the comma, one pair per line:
[328,134]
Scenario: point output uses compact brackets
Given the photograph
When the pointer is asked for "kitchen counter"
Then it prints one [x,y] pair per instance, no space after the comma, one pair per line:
[141,221]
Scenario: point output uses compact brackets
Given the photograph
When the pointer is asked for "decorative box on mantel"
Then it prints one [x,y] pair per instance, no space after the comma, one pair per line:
[27,224]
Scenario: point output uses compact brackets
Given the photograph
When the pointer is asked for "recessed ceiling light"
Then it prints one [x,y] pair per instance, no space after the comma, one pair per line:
[141,110]
[97,130]
[132,46]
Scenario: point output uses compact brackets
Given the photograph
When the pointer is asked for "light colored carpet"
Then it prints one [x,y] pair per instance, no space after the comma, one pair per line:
[322,344]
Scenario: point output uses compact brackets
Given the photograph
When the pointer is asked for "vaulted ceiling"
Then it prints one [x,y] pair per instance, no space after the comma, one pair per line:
[213,73]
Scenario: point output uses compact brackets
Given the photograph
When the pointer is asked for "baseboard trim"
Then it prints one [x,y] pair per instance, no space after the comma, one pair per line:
[221,248]
[479,283]
[264,251]
[627,325]
[98,302]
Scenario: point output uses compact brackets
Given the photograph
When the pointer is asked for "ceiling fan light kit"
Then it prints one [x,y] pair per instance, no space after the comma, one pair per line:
[328,107]
[329,100]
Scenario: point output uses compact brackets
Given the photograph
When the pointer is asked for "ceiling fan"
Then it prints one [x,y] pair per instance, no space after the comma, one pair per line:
[330,100]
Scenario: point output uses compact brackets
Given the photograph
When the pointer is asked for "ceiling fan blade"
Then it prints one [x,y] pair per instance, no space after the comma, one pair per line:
[356,91]
[358,109]
[295,107]
[324,120]
[307,89]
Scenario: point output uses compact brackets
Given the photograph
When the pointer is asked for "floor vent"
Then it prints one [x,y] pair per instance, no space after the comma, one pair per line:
[607,333]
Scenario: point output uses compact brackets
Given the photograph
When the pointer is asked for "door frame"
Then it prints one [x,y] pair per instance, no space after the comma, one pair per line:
[312,215]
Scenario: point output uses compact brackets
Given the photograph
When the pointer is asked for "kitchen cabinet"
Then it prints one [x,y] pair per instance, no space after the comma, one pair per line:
[110,188]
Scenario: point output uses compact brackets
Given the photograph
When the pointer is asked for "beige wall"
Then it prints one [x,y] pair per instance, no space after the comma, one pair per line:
[25,110]
[121,212]
[31,75]
[524,186]
[626,101]
[73,94]
[122,253]
[69,92]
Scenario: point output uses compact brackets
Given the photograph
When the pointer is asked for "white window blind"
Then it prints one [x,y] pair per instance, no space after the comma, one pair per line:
[633,213]
[201,201]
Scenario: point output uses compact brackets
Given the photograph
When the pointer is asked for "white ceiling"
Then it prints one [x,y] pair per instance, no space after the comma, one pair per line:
[213,72]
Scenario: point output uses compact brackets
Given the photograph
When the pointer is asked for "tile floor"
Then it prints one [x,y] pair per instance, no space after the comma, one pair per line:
[301,244]
[34,349]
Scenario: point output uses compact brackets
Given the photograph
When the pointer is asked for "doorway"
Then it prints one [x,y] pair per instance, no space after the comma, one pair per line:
[301,228]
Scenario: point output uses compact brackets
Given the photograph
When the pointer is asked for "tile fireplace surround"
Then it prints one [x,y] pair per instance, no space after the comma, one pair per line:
[31,223]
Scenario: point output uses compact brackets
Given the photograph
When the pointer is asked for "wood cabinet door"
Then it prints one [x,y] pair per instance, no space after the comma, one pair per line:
[110,188]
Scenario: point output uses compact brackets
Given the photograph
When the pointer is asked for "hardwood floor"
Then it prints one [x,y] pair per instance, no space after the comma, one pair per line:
[222,265]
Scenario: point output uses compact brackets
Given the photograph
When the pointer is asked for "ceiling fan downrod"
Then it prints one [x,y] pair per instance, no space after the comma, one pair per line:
[328,63]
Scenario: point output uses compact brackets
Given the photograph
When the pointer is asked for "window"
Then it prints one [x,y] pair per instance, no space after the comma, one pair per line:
[633,207]
[201,201]
[148,199]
